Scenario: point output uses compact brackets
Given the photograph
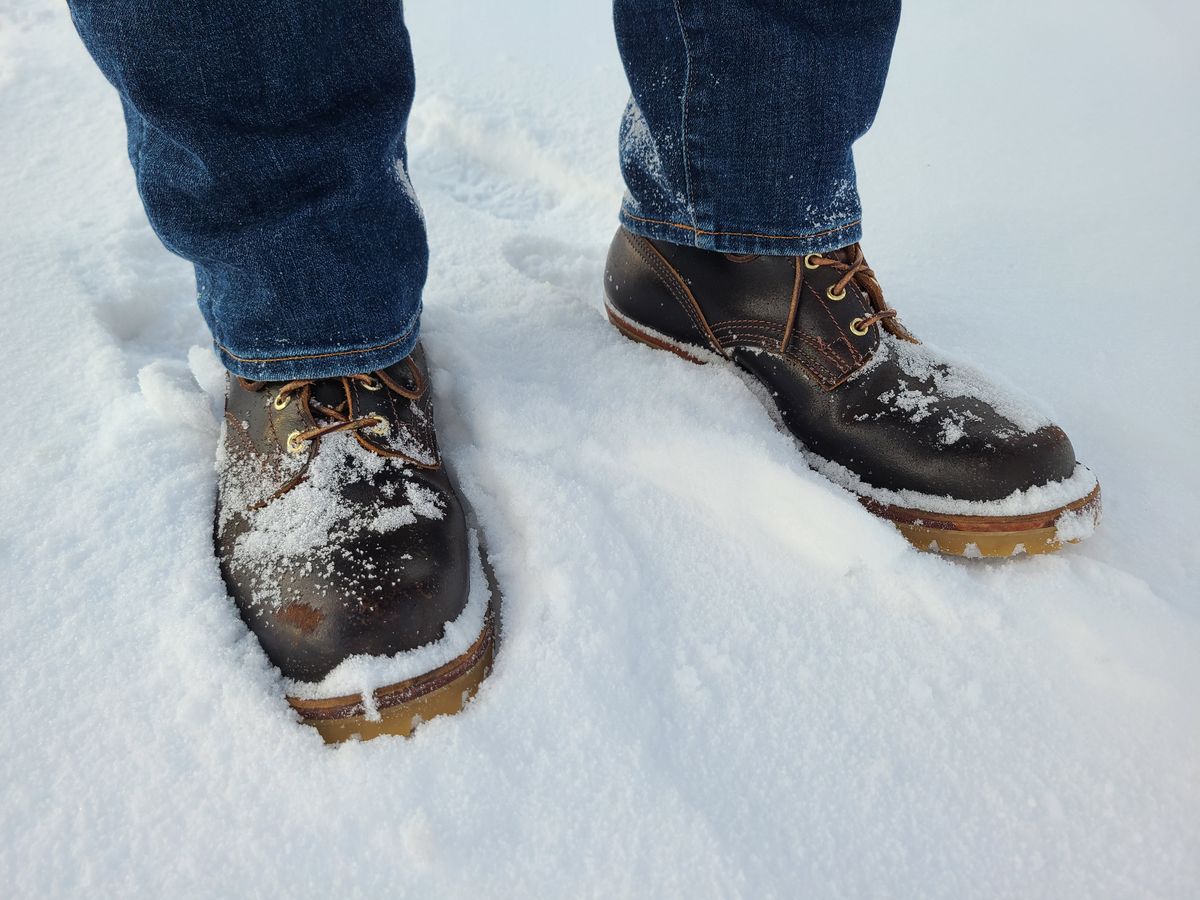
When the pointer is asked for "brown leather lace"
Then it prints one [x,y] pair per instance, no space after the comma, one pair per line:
[342,417]
[863,276]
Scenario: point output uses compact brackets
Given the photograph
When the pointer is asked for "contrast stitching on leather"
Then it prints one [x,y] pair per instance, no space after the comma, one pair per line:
[271,425]
[827,380]
[674,283]
[845,365]
[766,322]
[770,342]
[234,425]
[773,329]
[769,237]
[858,357]
[824,378]
[656,268]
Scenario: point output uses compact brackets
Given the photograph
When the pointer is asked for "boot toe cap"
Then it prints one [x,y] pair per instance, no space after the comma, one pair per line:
[374,593]
[992,469]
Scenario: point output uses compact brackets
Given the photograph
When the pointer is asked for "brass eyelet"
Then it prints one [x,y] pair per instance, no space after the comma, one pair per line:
[282,400]
[835,297]
[372,384]
[381,426]
[295,444]
[808,260]
[857,327]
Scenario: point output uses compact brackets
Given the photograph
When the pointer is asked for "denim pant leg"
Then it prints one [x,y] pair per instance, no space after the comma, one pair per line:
[268,142]
[738,135]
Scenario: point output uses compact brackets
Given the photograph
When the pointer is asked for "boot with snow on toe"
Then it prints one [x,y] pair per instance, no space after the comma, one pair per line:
[926,443]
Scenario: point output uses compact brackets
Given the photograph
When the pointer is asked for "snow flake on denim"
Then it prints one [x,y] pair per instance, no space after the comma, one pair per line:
[840,208]
[400,171]
[641,153]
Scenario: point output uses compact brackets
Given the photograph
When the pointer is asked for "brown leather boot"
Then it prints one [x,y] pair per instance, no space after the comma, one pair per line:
[347,549]
[930,445]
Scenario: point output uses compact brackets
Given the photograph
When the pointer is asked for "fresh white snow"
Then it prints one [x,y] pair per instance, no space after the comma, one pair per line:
[719,675]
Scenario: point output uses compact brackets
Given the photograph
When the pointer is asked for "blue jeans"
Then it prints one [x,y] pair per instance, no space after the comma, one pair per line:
[268,142]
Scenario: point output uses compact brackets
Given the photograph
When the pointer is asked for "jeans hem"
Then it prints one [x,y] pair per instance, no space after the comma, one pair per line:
[317,363]
[803,240]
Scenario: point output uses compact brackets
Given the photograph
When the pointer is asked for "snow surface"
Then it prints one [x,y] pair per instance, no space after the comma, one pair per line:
[719,674]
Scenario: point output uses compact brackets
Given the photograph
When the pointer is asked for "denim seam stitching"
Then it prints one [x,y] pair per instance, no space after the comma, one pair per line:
[683,116]
[271,359]
[769,237]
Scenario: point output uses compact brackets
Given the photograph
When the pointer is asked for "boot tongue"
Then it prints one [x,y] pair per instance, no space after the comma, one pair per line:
[332,391]
[329,392]
[844,255]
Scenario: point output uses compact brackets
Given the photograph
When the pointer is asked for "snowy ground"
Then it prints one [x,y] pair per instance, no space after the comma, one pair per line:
[711,684]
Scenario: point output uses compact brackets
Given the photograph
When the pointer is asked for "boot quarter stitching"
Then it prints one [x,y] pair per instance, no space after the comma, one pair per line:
[827,380]
[770,343]
[673,281]
[664,278]
[773,329]
[234,424]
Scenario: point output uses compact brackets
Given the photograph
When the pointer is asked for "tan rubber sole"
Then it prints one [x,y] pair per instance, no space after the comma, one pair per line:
[405,705]
[970,536]
[986,536]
